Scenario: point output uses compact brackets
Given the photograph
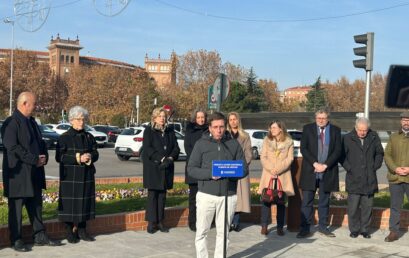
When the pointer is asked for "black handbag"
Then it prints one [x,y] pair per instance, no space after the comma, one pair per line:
[273,195]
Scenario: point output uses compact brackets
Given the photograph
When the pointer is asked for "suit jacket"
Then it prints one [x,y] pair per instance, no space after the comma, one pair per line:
[21,177]
[309,151]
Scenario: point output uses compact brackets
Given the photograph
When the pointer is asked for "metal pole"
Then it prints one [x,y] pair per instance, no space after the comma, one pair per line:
[7,20]
[367,93]
[226,224]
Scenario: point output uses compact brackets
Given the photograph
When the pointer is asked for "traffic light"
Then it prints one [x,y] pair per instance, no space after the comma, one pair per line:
[367,51]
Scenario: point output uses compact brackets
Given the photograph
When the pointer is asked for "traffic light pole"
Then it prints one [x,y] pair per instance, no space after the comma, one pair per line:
[367,93]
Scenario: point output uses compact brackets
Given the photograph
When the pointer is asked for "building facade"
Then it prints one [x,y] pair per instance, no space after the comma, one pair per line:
[298,94]
[163,71]
[64,54]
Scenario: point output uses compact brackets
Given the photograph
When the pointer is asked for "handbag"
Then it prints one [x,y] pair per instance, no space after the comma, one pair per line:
[273,195]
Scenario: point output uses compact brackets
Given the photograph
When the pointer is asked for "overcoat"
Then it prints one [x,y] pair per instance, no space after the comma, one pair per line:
[193,133]
[361,162]
[243,185]
[309,151]
[21,177]
[277,156]
[76,201]
[156,146]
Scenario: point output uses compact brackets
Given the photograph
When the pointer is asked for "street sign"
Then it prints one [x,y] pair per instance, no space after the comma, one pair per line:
[167,108]
[220,90]
[227,168]
[211,99]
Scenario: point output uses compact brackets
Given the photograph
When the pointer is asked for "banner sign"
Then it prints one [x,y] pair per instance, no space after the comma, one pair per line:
[227,168]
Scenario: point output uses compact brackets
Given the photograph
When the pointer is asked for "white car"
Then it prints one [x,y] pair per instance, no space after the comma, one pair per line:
[296,136]
[100,137]
[256,137]
[129,143]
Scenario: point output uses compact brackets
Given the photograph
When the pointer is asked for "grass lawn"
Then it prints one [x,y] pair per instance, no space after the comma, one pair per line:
[173,199]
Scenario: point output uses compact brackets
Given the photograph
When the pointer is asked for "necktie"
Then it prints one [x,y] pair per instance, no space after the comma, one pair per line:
[322,137]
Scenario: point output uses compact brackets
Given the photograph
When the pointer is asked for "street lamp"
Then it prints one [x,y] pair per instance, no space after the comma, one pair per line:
[7,20]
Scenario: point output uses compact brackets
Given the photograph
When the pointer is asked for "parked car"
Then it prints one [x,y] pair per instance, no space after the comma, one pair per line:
[111,131]
[60,128]
[130,143]
[296,136]
[100,137]
[176,126]
[51,126]
[384,136]
[49,136]
[256,137]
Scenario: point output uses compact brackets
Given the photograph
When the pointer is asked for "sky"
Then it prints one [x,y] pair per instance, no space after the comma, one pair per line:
[292,42]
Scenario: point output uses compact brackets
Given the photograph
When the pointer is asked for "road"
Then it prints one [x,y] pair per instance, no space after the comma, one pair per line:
[109,165]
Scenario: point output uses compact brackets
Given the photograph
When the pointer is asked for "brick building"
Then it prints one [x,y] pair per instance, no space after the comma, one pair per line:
[64,54]
[162,70]
[298,93]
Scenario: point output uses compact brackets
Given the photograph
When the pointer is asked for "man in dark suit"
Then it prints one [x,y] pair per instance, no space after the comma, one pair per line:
[321,149]
[24,157]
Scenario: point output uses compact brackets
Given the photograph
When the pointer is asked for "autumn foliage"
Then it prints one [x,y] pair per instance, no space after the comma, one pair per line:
[109,92]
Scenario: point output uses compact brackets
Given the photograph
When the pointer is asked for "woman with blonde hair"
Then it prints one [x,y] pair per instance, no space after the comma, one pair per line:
[160,149]
[276,157]
[243,185]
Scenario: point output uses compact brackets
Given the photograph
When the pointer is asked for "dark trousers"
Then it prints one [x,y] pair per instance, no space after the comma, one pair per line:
[266,214]
[397,193]
[359,212]
[34,207]
[155,208]
[192,204]
[307,207]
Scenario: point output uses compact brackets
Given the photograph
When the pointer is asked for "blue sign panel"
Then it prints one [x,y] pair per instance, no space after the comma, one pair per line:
[227,168]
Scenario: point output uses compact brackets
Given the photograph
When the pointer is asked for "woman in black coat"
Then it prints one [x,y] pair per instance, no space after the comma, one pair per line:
[77,152]
[160,149]
[194,130]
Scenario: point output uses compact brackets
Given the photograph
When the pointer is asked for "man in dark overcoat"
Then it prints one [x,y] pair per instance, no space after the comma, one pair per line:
[321,148]
[362,157]
[24,157]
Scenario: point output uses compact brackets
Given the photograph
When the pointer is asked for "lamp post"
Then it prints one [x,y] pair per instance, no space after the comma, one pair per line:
[7,20]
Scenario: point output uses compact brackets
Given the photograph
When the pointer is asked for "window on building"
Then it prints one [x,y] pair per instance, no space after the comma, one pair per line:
[67,59]
[62,58]
[72,59]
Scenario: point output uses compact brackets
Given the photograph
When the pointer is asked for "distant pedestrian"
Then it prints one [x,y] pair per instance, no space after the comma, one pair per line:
[362,157]
[194,130]
[160,150]
[276,157]
[215,144]
[24,157]
[77,152]
[321,148]
[397,161]
[243,185]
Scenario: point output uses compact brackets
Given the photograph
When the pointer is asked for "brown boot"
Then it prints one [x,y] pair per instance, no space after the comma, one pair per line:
[264,230]
[280,232]
[393,236]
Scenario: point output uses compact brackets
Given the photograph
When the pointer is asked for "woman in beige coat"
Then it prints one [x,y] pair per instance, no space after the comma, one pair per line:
[276,157]
[243,185]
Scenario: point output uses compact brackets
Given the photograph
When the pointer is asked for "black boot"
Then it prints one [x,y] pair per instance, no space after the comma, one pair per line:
[72,238]
[162,228]
[83,235]
[150,228]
